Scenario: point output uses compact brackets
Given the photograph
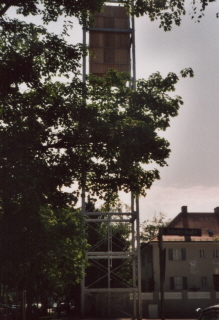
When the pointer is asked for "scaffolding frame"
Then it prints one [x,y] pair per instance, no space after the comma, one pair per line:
[132,218]
[133,255]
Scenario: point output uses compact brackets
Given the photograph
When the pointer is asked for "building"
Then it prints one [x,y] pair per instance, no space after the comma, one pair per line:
[191,268]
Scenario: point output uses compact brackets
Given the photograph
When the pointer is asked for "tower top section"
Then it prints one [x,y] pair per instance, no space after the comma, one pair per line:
[110,39]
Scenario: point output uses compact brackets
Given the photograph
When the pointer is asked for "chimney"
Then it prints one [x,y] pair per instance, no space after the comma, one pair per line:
[184,210]
[216,210]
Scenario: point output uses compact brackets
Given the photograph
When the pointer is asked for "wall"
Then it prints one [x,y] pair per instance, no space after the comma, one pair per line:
[178,305]
[194,267]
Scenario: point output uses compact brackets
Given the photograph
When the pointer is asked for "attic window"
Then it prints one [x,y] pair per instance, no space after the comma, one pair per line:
[210,233]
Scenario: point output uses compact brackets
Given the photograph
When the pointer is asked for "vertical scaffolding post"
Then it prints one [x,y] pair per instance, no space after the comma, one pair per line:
[83,269]
[84,67]
[138,244]
[133,55]
[109,261]
[139,260]
[133,261]
[84,61]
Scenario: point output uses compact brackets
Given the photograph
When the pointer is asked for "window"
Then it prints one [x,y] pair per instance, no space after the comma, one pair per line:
[215,253]
[178,283]
[216,281]
[202,253]
[177,254]
[204,282]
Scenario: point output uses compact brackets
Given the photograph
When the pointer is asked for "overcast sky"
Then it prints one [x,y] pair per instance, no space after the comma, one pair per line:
[192,177]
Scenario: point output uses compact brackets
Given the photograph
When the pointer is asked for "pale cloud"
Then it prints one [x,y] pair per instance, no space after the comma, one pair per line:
[169,200]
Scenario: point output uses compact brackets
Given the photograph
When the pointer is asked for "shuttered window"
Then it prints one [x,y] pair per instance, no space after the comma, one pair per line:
[216,253]
[177,254]
[204,282]
[178,283]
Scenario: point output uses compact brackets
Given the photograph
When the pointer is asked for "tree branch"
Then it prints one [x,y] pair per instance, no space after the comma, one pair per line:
[7,6]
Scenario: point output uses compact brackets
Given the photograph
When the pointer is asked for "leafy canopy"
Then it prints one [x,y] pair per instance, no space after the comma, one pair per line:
[43,245]
[125,132]
[150,228]
[167,11]
[41,253]
[55,130]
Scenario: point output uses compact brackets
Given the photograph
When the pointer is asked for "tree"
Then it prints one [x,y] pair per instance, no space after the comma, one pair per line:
[50,10]
[50,137]
[53,133]
[30,118]
[150,229]
[42,254]
[124,133]
[168,11]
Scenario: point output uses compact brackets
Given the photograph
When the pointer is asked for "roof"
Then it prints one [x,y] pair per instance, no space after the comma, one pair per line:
[208,222]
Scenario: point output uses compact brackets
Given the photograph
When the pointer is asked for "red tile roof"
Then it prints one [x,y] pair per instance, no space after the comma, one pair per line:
[208,222]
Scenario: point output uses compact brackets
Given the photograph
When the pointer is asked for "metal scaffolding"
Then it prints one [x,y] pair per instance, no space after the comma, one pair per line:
[106,289]
[111,286]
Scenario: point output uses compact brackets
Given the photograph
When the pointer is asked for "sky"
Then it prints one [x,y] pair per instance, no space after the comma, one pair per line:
[192,176]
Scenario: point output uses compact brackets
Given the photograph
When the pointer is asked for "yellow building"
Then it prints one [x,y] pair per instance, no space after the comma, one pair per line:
[191,268]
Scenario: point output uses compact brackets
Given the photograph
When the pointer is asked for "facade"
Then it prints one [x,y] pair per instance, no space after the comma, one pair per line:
[191,268]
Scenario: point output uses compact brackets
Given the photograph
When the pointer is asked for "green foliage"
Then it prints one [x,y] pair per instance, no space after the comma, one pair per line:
[167,11]
[32,110]
[41,253]
[124,130]
[186,72]
[150,229]
[50,137]
[55,130]
[30,55]
[50,10]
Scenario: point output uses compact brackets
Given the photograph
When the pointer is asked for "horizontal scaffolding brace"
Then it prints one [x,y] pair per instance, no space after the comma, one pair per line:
[104,257]
[106,220]
[113,257]
[112,254]
[125,290]
[109,214]
[110,30]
